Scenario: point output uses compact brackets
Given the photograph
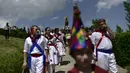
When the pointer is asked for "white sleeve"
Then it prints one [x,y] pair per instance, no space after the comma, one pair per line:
[4,27]
[26,46]
[45,43]
[93,37]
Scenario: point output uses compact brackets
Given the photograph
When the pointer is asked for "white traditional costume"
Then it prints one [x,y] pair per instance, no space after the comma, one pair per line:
[36,53]
[103,52]
[53,53]
[60,46]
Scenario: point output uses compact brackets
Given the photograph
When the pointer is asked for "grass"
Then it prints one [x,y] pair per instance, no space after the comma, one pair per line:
[11,57]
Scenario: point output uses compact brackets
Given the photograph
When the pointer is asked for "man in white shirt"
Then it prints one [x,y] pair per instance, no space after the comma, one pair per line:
[101,38]
[6,30]
[35,47]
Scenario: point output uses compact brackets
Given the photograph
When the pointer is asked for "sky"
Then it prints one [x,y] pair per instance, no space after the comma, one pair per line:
[51,13]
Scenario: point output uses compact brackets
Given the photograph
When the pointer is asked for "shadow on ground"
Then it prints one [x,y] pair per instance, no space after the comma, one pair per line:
[60,72]
[65,62]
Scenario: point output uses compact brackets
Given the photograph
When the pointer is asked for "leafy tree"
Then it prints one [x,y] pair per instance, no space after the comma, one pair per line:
[94,23]
[127,9]
[121,48]
[118,29]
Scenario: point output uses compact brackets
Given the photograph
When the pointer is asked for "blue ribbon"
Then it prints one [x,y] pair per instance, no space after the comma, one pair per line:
[109,51]
[31,49]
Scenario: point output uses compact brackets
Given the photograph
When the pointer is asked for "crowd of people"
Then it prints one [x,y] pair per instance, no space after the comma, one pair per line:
[92,51]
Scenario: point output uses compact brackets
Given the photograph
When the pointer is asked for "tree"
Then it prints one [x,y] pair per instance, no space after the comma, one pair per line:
[94,23]
[118,29]
[127,9]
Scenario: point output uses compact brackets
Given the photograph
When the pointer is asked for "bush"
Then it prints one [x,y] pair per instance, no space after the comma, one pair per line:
[18,33]
[122,48]
[15,33]
[1,31]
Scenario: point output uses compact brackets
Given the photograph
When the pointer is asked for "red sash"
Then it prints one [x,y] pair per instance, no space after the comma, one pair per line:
[58,38]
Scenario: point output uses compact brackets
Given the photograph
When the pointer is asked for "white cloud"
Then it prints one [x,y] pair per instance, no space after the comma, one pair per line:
[107,4]
[54,18]
[28,9]
[2,23]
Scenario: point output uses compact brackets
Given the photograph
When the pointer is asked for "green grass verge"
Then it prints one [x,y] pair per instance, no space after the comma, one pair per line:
[11,57]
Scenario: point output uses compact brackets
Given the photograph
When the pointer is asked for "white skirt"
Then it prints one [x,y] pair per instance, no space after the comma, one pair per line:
[61,49]
[53,55]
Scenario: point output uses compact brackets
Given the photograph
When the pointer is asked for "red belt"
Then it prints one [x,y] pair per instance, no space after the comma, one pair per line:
[36,55]
[51,45]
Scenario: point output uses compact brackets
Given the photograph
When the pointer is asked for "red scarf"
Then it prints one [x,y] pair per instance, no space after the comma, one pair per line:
[34,38]
[99,31]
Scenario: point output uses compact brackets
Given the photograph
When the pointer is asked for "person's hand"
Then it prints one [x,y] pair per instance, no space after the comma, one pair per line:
[24,65]
[47,60]
[104,25]
[94,57]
